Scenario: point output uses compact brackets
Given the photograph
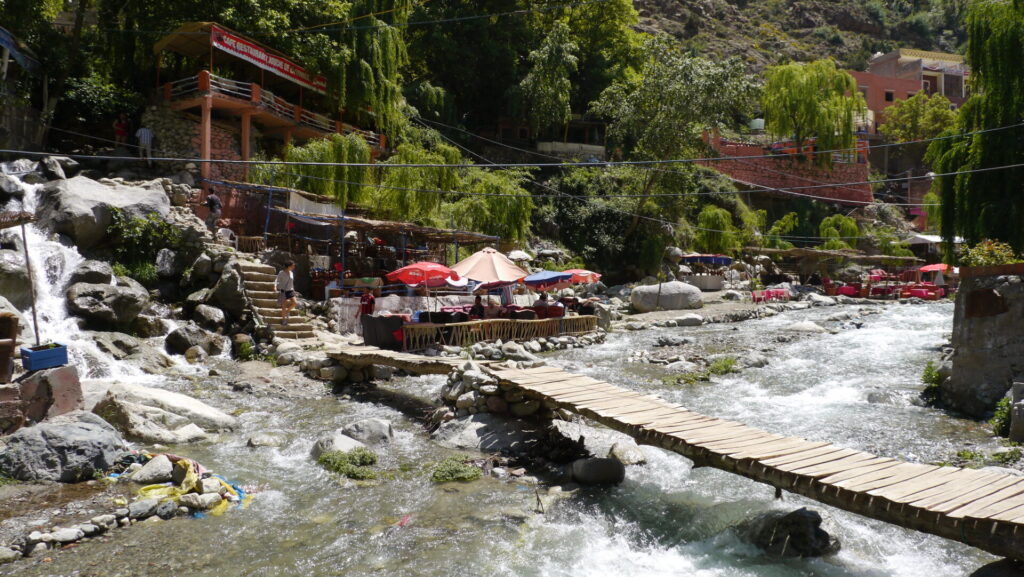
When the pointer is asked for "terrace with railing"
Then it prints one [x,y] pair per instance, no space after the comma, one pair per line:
[268,108]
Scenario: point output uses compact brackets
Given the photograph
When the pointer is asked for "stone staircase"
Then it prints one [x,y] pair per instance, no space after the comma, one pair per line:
[259,287]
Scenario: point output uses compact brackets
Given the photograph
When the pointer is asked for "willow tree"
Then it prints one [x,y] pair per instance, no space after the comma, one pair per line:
[372,79]
[815,100]
[415,194]
[329,171]
[495,203]
[990,203]
[547,88]
[840,231]
[716,233]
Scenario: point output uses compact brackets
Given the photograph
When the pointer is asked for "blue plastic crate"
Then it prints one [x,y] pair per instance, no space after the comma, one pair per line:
[45,357]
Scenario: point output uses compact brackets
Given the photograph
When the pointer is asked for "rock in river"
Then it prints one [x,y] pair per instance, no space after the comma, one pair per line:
[668,296]
[794,534]
[68,448]
[370,431]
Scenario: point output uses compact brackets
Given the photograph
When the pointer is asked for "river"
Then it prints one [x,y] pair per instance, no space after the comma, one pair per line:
[854,388]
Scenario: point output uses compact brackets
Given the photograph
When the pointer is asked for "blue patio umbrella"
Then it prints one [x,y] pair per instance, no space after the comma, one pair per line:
[547,279]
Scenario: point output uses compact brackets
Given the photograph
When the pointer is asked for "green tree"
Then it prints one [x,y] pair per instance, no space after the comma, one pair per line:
[919,117]
[780,228]
[716,234]
[660,113]
[547,88]
[815,100]
[840,231]
[990,203]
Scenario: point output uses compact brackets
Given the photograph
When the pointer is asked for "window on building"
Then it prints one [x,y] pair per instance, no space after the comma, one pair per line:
[890,96]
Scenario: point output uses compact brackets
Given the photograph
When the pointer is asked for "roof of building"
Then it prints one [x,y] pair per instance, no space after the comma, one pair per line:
[929,55]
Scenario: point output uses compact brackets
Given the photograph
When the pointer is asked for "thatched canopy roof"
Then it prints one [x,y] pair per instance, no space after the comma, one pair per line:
[819,254]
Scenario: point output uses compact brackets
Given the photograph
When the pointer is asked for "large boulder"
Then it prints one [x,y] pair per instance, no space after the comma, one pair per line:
[210,318]
[795,534]
[670,296]
[148,424]
[229,292]
[92,272]
[69,448]
[487,433]
[191,335]
[105,305]
[50,393]
[82,208]
[195,411]
[14,280]
[334,442]
[371,431]
[594,471]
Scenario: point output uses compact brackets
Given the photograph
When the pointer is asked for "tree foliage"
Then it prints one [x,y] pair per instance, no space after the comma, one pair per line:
[919,117]
[716,234]
[547,88]
[840,232]
[779,229]
[987,204]
[814,100]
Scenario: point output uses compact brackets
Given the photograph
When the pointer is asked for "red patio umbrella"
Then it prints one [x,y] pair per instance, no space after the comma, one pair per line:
[934,267]
[421,272]
[583,276]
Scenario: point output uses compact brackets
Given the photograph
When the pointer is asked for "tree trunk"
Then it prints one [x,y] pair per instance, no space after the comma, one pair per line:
[651,178]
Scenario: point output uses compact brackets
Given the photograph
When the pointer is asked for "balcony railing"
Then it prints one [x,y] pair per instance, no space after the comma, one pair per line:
[206,83]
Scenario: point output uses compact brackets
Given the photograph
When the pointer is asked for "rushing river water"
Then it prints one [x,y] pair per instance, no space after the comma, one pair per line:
[853,388]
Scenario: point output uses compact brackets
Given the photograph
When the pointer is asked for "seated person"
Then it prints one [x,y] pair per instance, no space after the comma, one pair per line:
[478,309]
[494,310]
[542,300]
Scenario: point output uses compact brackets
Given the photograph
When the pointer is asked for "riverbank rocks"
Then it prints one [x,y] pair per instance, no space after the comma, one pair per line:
[92,272]
[627,453]
[487,433]
[14,281]
[372,431]
[157,416]
[334,442]
[818,300]
[229,292]
[69,448]
[105,305]
[690,320]
[669,296]
[794,534]
[82,208]
[597,471]
[806,327]
[191,335]
[159,469]
[50,393]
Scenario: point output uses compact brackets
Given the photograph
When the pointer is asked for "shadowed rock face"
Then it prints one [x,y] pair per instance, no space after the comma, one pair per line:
[794,534]
[988,341]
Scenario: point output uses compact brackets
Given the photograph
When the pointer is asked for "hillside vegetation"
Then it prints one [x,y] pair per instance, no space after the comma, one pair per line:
[766,32]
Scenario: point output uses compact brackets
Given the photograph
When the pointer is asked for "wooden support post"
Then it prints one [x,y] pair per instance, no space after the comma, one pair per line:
[31,283]
[205,130]
[246,129]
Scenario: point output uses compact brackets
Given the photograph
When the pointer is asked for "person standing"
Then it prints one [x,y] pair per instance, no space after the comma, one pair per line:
[367,303]
[284,284]
[214,204]
[145,137]
[121,129]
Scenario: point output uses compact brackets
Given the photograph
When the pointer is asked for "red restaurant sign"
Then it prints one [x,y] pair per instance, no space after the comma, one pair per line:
[254,54]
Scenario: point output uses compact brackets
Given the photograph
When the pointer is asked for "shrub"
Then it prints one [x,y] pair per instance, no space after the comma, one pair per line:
[989,253]
[355,464]
[723,366]
[1000,421]
[931,379]
[1011,456]
[455,468]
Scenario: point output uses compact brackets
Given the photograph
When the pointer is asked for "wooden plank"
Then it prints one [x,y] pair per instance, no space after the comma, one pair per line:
[779,449]
[685,436]
[1001,506]
[820,459]
[608,406]
[731,445]
[961,486]
[899,474]
[793,458]
[825,469]
[737,434]
[917,486]
[647,417]
[973,503]
[1009,515]
[708,426]
[858,470]
[584,396]
[675,420]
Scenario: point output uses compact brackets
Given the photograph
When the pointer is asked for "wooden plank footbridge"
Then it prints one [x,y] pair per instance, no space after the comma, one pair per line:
[979,508]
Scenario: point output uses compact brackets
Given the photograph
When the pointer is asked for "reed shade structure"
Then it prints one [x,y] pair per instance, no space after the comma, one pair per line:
[10,220]
[854,255]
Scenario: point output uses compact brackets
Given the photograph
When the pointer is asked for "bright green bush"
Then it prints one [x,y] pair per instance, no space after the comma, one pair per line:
[355,464]
[1001,420]
[455,468]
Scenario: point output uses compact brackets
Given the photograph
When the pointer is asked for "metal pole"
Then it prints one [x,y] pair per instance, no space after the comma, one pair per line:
[266,223]
[31,284]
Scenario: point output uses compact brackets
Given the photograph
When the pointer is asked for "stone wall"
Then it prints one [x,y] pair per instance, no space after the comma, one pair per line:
[178,134]
[988,338]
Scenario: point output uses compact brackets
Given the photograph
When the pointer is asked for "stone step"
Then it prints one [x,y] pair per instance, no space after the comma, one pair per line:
[264,303]
[294,335]
[258,277]
[274,311]
[261,286]
[262,295]
[248,266]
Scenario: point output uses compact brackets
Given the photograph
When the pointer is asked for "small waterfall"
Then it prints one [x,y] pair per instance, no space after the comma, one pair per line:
[52,266]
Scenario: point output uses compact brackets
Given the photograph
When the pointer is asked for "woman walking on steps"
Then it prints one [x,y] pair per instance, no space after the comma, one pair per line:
[285,286]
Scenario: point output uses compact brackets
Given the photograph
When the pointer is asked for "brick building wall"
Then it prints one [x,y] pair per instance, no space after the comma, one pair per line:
[787,172]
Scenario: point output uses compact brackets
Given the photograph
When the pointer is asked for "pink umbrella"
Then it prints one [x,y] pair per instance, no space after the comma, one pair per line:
[934,267]
[422,272]
[582,276]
